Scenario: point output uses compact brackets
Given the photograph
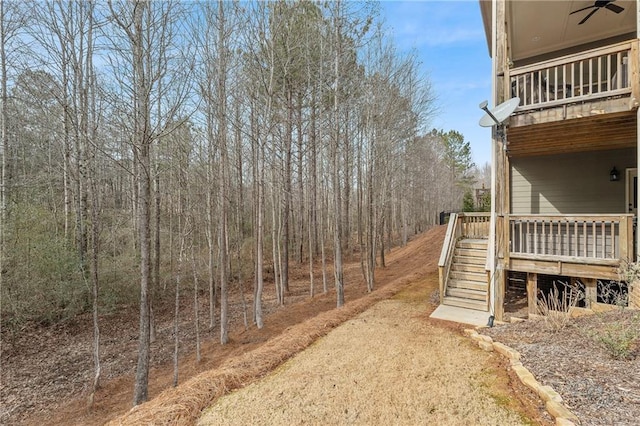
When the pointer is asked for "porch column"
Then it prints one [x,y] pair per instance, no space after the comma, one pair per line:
[634,295]
[499,169]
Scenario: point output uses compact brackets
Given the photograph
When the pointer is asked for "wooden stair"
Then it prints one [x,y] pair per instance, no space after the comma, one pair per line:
[467,285]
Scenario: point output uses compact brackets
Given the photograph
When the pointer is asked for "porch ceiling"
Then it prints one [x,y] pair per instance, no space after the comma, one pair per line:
[598,132]
[541,27]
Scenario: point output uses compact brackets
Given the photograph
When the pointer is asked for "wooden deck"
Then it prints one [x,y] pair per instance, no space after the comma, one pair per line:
[587,246]
[587,101]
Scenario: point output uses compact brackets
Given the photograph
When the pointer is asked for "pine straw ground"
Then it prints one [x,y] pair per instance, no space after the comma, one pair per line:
[183,405]
[387,365]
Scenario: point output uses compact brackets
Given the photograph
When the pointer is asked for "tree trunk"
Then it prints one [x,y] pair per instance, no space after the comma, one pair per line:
[4,143]
[335,176]
[258,179]
[210,210]
[301,198]
[196,303]
[176,310]
[224,175]
[143,144]
[287,196]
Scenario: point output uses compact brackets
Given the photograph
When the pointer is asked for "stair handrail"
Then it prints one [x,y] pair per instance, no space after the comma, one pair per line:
[446,255]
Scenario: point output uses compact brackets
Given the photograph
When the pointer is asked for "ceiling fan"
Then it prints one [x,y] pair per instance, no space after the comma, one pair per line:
[597,5]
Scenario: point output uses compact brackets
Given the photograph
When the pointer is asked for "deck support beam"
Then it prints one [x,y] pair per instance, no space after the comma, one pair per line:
[590,292]
[532,293]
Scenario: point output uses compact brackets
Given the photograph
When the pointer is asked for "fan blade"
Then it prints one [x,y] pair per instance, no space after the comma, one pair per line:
[614,8]
[587,17]
[584,8]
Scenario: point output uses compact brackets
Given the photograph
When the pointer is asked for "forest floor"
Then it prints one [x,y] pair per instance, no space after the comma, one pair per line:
[46,372]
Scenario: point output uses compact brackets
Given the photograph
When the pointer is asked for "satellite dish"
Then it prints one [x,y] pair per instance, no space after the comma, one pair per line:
[498,114]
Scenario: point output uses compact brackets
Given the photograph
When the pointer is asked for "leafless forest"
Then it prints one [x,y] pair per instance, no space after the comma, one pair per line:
[171,149]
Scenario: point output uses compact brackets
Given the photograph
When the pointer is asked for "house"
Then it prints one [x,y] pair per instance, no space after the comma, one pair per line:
[564,184]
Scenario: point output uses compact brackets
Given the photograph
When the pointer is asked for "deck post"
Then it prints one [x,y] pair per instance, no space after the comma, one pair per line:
[635,79]
[500,275]
[634,63]
[532,293]
[590,292]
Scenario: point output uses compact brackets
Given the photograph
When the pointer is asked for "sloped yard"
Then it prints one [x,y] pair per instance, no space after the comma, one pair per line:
[389,365]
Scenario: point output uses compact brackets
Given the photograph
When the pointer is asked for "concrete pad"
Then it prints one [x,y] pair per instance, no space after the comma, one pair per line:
[461,315]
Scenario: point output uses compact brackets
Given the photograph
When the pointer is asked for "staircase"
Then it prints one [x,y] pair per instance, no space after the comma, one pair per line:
[467,286]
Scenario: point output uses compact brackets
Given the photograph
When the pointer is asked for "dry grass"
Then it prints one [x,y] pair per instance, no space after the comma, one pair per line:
[386,366]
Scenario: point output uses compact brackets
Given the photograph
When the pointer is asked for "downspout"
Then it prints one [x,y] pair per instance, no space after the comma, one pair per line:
[494,97]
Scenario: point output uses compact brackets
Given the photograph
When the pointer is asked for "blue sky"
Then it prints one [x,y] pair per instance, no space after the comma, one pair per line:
[449,39]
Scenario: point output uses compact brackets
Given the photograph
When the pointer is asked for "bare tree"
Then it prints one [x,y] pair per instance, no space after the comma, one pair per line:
[299,115]
[147,32]
[13,20]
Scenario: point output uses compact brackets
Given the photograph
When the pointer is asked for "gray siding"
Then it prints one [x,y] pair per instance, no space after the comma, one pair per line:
[570,183]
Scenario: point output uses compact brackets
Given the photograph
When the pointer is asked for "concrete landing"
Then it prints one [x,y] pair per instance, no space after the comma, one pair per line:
[461,315]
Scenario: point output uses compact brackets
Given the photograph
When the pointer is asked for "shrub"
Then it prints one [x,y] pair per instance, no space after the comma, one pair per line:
[43,282]
[556,306]
[629,273]
[613,293]
[620,339]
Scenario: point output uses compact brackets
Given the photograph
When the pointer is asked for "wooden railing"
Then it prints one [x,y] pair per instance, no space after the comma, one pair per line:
[597,73]
[446,255]
[461,225]
[474,225]
[599,239]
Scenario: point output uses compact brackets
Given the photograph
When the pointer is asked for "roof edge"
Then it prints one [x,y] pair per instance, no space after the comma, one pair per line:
[485,10]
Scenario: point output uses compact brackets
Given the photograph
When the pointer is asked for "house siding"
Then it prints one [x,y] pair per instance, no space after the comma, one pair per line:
[570,183]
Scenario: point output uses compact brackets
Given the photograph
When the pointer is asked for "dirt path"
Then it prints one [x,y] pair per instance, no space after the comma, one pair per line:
[389,365]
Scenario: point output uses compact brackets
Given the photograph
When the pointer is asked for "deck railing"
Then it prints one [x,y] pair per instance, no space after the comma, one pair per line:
[589,75]
[601,239]
[474,225]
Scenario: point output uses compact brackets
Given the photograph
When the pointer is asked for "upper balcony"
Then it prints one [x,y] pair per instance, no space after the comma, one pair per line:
[574,65]
[584,77]
[594,82]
